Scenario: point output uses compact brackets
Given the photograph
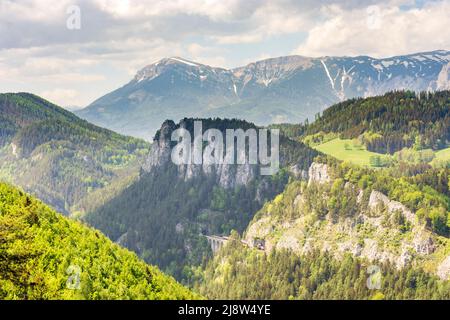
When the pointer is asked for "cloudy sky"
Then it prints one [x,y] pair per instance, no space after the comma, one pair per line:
[43,51]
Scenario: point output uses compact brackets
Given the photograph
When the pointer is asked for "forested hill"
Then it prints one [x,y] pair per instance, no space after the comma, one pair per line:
[56,155]
[44,255]
[390,122]
[29,121]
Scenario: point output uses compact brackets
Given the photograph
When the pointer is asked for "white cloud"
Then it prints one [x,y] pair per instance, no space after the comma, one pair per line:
[382,32]
[118,37]
[63,97]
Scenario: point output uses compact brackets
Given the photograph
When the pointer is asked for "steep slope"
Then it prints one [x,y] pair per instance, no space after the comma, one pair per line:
[323,237]
[166,215]
[44,255]
[285,89]
[59,157]
[342,228]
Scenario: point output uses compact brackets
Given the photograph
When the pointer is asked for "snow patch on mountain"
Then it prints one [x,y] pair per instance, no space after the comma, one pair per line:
[443,80]
[292,88]
[189,63]
[328,74]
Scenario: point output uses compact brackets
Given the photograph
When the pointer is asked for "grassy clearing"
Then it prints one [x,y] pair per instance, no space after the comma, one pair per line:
[441,156]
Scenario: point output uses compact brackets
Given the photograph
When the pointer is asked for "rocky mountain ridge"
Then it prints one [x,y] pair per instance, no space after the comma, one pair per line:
[284,89]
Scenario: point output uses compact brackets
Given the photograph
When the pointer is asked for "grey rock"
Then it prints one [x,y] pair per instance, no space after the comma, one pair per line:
[318,172]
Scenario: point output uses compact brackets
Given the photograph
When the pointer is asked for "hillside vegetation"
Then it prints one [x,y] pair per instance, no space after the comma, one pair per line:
[348,150]
[57,156]
[391,122]
[241,273]
[321,238]
[44,255]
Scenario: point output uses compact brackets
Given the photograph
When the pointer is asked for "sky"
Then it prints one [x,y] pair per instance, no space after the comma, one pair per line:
[74,51]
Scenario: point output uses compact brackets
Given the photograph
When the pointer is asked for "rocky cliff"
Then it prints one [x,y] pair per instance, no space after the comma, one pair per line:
[167,213]
[374,227]
[226,175]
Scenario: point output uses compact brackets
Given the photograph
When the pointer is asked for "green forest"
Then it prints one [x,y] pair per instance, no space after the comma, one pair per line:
[61,158]
[44,255]
[391,122]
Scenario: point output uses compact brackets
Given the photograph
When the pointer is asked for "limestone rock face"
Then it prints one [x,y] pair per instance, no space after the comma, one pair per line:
[371,233]
[379,201]
[423,243]
[161,149]
[376,199]
[227,175]
[15,150]
[298,172]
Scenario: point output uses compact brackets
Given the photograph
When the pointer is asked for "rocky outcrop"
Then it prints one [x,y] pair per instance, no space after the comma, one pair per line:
[379,202]
[227,175]
[373,233]
[298,172]
[15,150]
[423,243]
[160,152]
[318,172]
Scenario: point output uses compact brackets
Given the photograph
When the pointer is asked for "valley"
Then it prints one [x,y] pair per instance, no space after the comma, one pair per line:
[61,158]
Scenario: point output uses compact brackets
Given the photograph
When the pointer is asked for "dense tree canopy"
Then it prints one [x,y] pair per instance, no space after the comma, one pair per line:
[46,256]
[392,121]
[242,273]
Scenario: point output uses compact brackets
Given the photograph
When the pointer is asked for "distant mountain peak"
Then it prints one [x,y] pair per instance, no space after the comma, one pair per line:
[282,89]
[153,70]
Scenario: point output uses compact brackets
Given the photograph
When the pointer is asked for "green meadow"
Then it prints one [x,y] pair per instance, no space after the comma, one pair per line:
[347,150]
[441,156]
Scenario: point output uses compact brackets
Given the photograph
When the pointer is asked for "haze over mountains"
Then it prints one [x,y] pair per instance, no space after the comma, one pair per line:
[285,89]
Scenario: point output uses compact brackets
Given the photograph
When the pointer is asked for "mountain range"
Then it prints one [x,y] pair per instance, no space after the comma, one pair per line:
[287,89]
